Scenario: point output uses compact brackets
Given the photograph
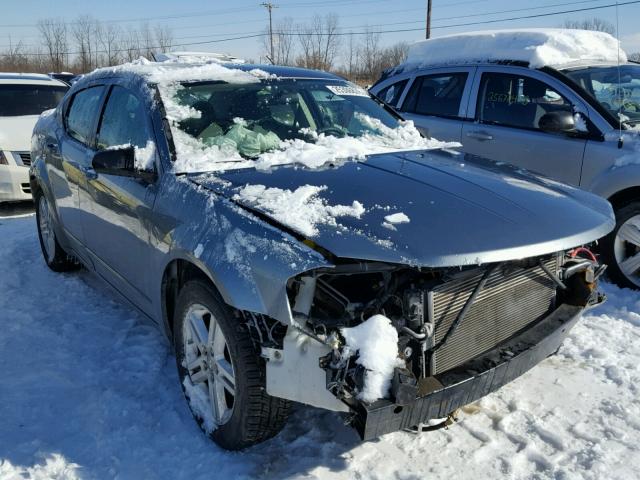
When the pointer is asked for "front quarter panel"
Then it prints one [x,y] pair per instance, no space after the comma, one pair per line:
[248,261]
[608,169]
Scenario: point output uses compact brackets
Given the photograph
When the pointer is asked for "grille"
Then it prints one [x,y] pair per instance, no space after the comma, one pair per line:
[26,187]
[25,158]
[512,298]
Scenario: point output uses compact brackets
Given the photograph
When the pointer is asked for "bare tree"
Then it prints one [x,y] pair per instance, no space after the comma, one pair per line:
[83,31]
[14,58]
[319,42]
[164,38]
[370,55]
[283,36]
[110,43]
[147,40]
[131,45]
[634,57]
[53,34]
[595,24]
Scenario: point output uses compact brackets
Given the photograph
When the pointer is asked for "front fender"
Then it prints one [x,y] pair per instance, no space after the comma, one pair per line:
[620,176]
[248,260]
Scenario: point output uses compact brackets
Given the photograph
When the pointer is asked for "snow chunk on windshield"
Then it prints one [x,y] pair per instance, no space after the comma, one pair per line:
[376,343]
[537,46]
[397,218]
[302,209]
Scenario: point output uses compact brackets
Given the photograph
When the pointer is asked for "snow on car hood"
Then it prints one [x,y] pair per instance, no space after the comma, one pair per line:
[15,132]
[431,208]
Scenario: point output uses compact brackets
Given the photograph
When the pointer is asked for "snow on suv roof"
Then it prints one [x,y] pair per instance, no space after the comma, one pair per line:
[537,46]
[28,78]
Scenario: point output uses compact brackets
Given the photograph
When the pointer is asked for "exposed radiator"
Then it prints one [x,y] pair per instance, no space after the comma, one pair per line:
[512,298]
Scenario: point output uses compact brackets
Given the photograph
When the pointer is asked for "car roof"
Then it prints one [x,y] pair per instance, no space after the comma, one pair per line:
[148,69]
[9,78]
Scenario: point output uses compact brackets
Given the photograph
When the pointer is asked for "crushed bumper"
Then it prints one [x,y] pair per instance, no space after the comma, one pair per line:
[444,393]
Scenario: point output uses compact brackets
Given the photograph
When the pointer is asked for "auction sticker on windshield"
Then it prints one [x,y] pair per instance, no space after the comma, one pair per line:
[347,90]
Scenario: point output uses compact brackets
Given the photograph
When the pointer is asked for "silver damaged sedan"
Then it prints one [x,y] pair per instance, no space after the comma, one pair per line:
[299,242]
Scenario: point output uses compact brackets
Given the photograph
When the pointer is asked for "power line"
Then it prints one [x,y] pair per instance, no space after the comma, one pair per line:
[368,32]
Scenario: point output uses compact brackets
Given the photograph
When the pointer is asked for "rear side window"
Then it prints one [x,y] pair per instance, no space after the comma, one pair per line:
[82,113]
[438,95]
[391,94]
[517,101]
[123,121]
[16,100]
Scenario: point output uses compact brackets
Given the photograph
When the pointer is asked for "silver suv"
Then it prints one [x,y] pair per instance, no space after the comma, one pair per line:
[576,124]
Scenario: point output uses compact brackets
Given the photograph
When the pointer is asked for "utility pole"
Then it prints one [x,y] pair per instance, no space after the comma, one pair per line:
[270,6]
[428,19]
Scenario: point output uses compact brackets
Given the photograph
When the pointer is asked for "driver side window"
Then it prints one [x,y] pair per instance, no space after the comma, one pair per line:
[517,101]
[123,121]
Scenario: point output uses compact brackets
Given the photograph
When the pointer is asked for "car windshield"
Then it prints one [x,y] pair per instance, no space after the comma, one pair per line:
[255,118]
[17,100]
[617,90]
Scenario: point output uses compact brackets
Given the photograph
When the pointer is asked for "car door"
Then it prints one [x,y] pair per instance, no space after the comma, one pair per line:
[70,157]
[437,102]
[508,103]
[119,207]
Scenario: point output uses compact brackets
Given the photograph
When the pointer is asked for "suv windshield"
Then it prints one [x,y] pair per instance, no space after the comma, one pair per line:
[254,118]
[617,90]
[17,100]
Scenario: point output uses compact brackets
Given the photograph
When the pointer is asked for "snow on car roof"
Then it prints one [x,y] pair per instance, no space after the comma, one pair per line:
[538,47]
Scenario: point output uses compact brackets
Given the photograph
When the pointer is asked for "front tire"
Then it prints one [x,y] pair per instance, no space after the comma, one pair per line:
[54,255]
[222,375]
[621,248]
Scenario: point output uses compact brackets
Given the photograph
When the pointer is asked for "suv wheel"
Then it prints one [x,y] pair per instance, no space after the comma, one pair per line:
[221,373]
[56,258]
[621,248]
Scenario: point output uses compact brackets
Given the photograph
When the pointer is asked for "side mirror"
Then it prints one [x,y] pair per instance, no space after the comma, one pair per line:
[557,122]
[121,162]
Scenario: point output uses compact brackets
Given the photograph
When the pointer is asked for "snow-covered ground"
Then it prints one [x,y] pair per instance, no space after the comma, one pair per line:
[88,389]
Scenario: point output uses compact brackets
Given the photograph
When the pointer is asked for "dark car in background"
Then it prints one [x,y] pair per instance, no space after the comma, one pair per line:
[245,210]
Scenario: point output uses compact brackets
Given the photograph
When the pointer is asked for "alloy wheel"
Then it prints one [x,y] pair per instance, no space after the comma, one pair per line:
[210,367]
[46,228]
[626,248]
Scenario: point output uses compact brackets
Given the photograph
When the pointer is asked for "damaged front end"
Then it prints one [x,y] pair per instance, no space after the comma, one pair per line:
[397,346]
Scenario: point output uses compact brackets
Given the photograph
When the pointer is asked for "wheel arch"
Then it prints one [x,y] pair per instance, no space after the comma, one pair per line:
[625,197]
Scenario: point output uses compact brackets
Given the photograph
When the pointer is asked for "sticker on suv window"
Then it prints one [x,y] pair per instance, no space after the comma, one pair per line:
[347,90]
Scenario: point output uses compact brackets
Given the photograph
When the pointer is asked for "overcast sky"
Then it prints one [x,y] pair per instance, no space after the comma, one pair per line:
[197,21]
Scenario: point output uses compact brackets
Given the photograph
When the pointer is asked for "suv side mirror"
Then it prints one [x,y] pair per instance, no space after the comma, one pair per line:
[121,162]
[557,122]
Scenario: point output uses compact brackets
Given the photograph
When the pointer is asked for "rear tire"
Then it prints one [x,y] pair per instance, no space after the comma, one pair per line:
[224,380]
[621,248]
[54,255]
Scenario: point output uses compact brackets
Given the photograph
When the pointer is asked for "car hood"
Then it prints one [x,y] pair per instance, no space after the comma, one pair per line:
[461,209]
[15,132]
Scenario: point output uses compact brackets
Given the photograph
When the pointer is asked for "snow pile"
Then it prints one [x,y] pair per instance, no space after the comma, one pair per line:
[376,343]
[390,221]
[302,209]
[538,47]
[194,156]
[199,401]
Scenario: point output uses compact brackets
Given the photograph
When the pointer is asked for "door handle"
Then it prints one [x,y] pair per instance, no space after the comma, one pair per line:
[482,136]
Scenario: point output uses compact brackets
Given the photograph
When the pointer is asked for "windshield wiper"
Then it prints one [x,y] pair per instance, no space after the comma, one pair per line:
[385,105]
